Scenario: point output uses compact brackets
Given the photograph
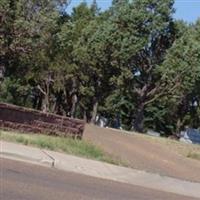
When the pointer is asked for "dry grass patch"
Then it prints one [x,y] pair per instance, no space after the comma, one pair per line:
[184,149]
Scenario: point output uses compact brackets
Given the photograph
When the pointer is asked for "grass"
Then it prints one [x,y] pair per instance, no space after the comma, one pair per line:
[66,145]
[184,149]
[187,150]
[194,155]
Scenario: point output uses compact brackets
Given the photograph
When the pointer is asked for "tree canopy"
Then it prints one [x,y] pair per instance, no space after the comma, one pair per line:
[133,62]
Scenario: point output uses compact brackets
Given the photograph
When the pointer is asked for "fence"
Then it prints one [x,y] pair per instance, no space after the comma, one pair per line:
[33,121]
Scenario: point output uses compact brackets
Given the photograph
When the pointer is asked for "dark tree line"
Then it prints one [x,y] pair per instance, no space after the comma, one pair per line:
[133,61]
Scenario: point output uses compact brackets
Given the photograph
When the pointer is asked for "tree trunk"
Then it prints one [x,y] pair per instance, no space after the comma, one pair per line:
[94,111]
[57,109]
[85,115]
[45,104]
[74,103]
[2,71]
[39,102]
[139,120]
[178,126]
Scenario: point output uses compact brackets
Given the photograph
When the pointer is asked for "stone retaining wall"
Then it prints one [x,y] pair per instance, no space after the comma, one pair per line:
[33,121]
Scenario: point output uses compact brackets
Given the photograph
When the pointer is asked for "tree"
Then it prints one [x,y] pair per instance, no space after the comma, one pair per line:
[132,62]
[71,67]
[27,26]
[182,64]
[143,32]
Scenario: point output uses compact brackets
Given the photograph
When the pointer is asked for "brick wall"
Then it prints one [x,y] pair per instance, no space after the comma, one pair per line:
[33,121]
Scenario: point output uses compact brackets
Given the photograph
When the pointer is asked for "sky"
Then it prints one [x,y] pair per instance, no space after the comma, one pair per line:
[187,10]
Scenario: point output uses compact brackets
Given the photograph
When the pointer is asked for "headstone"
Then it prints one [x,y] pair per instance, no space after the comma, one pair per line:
[191,136]
[153,133]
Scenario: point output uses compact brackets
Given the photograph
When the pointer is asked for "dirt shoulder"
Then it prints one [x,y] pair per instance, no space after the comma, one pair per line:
[149,154]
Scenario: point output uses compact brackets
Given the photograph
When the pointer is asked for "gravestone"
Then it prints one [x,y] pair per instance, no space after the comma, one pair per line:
[191,136]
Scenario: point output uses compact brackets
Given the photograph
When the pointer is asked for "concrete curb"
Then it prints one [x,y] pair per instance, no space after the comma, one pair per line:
[17,157]
[24,153]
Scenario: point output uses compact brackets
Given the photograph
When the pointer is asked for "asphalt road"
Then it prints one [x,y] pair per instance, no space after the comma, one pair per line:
[22,181]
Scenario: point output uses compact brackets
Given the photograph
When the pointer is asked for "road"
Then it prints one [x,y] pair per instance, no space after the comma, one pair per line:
[22,181]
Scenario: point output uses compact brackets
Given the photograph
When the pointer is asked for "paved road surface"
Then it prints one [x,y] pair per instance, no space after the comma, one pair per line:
[20,181]
[143,154]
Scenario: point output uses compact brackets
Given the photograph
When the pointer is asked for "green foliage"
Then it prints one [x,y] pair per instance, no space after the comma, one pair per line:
[132,61]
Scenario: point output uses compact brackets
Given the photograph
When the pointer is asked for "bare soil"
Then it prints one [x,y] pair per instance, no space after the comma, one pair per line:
[147,153]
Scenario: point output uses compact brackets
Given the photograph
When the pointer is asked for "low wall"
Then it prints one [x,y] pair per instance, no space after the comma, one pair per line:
[33,121]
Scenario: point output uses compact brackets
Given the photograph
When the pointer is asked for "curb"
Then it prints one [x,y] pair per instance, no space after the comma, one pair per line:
[17,157]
